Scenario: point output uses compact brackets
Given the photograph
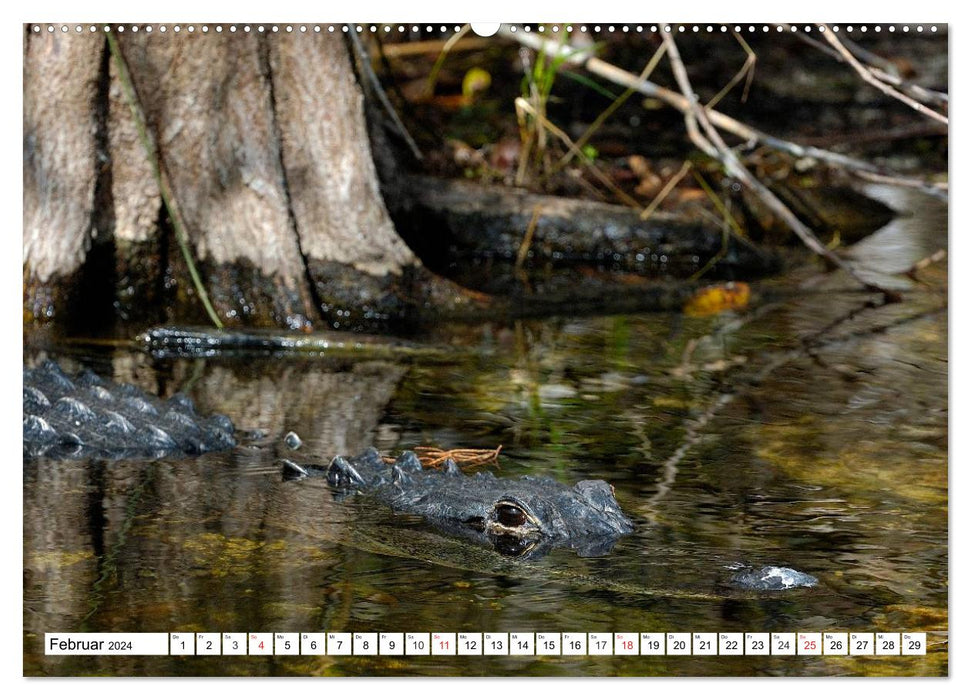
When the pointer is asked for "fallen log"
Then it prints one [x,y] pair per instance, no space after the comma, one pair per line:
[447,219]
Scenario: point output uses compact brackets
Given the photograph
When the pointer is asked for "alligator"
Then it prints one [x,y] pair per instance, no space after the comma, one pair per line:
[517,517]
[85,416]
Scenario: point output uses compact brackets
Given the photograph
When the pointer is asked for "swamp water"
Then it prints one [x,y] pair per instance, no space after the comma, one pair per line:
[809,431]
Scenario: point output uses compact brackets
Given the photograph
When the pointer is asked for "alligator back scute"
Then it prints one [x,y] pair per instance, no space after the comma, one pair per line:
[89,417]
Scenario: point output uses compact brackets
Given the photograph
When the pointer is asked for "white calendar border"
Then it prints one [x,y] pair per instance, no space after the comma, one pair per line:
[605,10]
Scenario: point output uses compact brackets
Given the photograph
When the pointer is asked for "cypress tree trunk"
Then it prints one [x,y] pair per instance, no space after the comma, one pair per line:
[263,143]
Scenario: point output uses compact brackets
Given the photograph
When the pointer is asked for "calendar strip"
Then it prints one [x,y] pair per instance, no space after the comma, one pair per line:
[487,644]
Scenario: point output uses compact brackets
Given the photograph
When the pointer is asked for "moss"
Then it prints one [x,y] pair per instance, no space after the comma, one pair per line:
[230,556]
[56,559]
[804,451]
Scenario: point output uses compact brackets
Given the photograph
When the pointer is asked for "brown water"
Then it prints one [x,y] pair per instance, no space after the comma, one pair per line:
[749,438]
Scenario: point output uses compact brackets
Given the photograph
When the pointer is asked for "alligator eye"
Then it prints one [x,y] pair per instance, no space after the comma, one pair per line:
[510,515]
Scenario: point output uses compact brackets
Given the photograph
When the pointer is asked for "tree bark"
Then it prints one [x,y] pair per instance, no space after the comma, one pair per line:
[60,90]
[263,141]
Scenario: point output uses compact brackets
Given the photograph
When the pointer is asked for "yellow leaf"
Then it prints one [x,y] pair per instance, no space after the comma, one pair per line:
[476,80]
[718,298]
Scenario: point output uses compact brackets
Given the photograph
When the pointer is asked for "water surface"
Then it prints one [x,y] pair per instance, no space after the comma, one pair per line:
[809,431]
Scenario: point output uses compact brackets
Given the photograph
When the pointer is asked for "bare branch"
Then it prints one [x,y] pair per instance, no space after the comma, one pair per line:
[524,107]
[364,62]
[870,78]
[602,117]
[747,71]
[711,142]
[665,191]
[578,56]
[886,73]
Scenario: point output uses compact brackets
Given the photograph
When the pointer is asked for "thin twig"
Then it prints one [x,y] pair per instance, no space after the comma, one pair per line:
[364,60]
[711,142]
[747,71]
[911,131]
[613,107]
[722,121]
[728,224]
[887,73]
[419,48]
[527,239]
[935,257]
[161,178]
[868,76]
[894,180]
[665,191]
[523,105]
[722,209]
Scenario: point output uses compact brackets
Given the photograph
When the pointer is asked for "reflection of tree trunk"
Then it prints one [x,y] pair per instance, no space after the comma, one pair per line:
[334,412]
[60,552]
[180,535]
[263,141]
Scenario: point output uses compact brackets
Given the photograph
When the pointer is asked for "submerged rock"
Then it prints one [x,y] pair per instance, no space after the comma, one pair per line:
[772,578]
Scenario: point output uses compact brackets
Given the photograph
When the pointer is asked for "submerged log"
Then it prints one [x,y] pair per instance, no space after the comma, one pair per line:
[438,217]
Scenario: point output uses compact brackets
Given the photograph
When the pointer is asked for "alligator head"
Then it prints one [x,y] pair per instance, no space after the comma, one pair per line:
[517,516]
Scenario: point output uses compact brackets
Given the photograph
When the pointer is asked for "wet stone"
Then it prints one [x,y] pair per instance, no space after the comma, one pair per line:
[773,578]
[293,440]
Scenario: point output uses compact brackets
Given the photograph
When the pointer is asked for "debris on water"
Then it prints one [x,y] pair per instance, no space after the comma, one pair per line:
[433,457]
[772,578]
[729,296]
[292,470]
[293,440]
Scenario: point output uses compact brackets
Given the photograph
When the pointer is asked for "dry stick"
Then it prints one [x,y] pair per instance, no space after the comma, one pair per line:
[935,257]
[728,223]
[714,146]
[910,131]
[527,239]
[523,106]
[722,209]
[161,178]
[872,60]
[722,121]
[665,191]
[419,48]
[893,180]
[364,60]
[868,76]
[613,107]
[918,92]
[747,71]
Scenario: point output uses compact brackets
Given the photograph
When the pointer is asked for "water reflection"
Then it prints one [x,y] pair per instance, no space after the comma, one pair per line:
[745,439]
